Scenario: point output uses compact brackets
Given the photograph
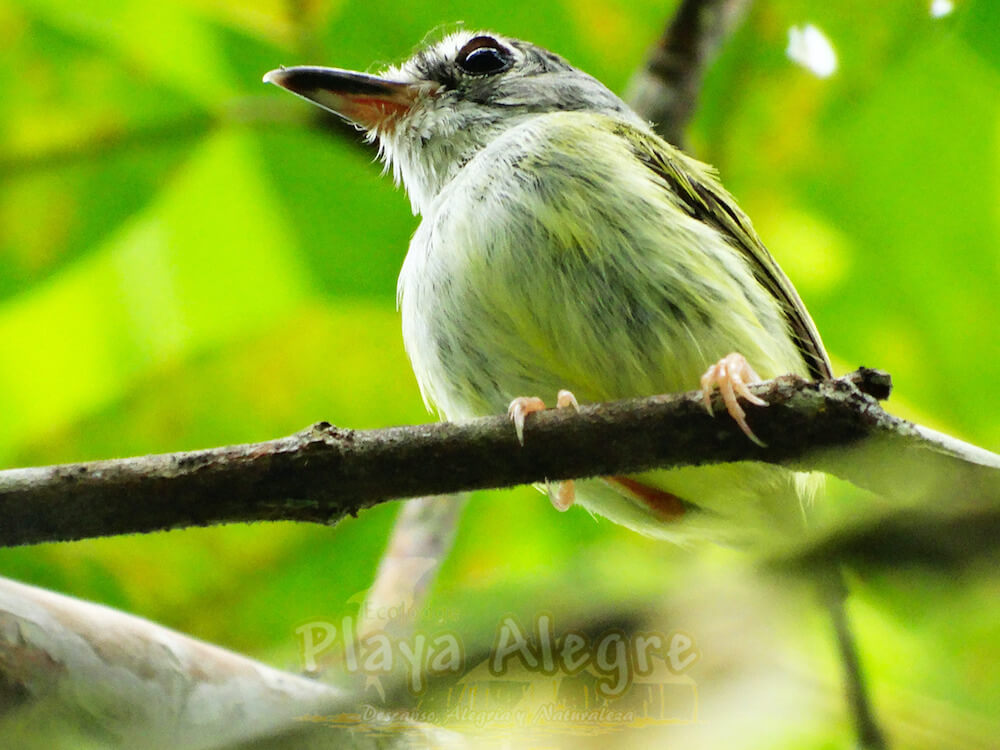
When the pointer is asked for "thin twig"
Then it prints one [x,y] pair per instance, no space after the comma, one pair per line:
[833,594]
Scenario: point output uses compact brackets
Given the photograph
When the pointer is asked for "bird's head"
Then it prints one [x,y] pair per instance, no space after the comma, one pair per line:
[432,114]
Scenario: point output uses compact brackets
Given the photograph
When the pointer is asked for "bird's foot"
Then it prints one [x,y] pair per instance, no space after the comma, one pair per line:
[563,495]
[732,374]
[519,409]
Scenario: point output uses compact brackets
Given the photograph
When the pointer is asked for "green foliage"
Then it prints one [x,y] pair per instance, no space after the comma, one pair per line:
[187,259]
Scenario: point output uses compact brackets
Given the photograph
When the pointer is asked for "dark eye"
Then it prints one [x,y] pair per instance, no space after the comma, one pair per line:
[483,56]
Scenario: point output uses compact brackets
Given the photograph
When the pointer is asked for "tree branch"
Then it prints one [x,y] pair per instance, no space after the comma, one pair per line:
[74,669]
[325,473]
[946,538]
[420,541]
[665,90]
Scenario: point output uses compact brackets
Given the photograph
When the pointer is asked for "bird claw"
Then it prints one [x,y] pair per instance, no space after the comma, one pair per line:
[564,495]
[732,374]
[566,399]
[519,409]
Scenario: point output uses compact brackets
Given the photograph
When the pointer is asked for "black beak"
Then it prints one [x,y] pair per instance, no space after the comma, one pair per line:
[364,99]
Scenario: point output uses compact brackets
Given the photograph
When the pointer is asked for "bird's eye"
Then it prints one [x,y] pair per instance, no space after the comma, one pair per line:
[483,56]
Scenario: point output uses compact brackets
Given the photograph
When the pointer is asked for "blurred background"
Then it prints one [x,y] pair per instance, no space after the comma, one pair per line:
[188,259]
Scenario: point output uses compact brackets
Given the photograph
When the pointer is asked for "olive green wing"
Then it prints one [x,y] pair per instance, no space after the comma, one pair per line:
[705,199]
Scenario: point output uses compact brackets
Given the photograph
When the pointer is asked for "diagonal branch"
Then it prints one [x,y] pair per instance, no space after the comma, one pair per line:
[665,90]
[74,671]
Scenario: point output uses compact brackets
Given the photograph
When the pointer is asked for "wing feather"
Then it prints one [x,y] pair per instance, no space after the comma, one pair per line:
[704,198]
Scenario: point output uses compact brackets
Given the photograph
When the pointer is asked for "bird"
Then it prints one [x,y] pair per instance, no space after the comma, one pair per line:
[565,249]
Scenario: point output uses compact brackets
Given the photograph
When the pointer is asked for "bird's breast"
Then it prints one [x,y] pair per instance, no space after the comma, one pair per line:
[555,260]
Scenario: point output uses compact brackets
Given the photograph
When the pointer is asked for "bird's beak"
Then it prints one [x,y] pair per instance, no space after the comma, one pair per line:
[367,100]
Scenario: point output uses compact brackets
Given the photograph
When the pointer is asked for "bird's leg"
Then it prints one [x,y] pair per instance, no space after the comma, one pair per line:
[564,495]
[732,374]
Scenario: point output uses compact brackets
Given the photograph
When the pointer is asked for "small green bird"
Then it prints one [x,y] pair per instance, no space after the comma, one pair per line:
[565,247]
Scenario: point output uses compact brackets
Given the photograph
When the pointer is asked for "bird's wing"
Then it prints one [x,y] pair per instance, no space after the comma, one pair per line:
[705,199]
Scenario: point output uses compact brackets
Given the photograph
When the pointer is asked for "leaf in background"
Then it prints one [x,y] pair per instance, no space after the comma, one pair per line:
[352,225]
[166,42]
[209,260]
[979,27]
[85,145]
